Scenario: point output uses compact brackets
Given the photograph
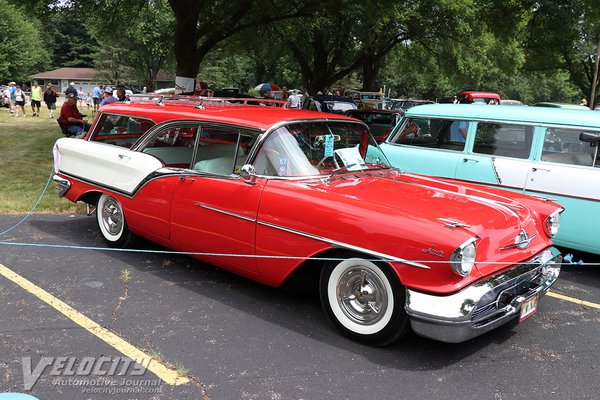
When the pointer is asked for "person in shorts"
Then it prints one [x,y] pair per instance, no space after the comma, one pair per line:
[97,97]
[50,96]
[20,99]
[36,99]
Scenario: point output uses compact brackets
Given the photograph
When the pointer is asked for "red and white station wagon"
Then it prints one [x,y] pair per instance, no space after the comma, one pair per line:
[276,194]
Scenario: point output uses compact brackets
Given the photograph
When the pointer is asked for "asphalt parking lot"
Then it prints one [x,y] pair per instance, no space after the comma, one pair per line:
[213,335]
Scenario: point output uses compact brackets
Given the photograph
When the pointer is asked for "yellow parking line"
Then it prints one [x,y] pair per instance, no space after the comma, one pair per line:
[574,300]
[168,375]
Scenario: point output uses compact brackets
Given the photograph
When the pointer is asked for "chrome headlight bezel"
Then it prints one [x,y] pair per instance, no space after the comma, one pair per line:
[552,223]
[462,260]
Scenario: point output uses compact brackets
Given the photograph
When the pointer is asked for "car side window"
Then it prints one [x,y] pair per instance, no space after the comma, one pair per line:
[173,145]
[501,139]
[432,133]
[221,151]
[120,130]
[563,146]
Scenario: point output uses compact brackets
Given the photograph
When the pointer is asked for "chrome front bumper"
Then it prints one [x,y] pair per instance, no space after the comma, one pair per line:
[484,305]
[62,185]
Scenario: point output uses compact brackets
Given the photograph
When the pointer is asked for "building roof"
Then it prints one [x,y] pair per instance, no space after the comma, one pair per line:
[68,73]
[88,74]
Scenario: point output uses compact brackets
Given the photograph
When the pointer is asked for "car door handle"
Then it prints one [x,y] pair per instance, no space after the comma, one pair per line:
[534,169]
[186,178]
[470,159]
[123,156]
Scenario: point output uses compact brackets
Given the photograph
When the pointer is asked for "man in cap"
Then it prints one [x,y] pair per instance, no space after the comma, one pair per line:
[50,96]
[71,118]
[71,89]
[108,97]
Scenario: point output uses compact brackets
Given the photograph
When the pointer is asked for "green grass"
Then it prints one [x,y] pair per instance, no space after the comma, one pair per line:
[26,161]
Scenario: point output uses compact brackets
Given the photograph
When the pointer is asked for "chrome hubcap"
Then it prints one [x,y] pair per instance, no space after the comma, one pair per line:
[361,295]
[112,217]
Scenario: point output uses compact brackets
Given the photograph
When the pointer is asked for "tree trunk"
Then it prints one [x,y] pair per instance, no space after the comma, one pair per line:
[186,38]
[370,71]
[595,80]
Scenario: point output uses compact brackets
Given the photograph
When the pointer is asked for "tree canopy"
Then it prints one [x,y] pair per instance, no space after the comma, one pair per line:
[538,50]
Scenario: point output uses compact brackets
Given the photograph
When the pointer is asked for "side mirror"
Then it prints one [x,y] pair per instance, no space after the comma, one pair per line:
[589,137]
[248,173]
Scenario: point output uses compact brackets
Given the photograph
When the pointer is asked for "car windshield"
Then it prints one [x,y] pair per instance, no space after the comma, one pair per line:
[339,105]
[318,148]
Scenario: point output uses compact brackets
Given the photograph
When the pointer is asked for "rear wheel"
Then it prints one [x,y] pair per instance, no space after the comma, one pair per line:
[111,222]
[364,300]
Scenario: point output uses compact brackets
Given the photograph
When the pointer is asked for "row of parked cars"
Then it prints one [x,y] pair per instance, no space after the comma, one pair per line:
[297,197]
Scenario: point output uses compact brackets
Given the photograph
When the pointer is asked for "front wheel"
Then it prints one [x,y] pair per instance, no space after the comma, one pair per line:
[111,221]
[364,300]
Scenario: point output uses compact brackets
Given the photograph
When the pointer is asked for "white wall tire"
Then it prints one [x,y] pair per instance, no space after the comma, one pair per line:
[364,300]
[111,221]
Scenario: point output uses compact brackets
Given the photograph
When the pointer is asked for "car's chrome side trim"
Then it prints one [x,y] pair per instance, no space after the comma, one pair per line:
[205,206]
[334,243]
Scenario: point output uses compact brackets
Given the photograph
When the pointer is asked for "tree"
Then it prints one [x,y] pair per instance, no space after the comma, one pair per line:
[19,53]
[146,41]
[202,25]
[564,36]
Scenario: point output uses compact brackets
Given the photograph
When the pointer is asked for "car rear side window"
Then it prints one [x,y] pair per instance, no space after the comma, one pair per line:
[433,133]
[173,145]
[506,140]
[564,146]
[120,130]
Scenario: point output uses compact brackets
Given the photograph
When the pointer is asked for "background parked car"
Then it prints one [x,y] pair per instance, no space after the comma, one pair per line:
[380,122]
[405,104]
[329,103]
[543,151]
[568,106]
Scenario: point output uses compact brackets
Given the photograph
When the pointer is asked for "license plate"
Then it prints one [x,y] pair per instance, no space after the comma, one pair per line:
[528,308]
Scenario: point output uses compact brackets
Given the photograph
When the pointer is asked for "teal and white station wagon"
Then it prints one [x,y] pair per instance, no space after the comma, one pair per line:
[547,152]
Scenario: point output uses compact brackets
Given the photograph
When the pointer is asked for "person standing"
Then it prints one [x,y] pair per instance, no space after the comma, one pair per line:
[12,89]
[50,96]
[19,101]
[71,89]
[121,94]
[81,95]
[96,94]
[295,100]
[36,99]
[108,97]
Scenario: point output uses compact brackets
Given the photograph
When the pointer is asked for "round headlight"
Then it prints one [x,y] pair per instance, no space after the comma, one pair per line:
[553,223]
[462,259]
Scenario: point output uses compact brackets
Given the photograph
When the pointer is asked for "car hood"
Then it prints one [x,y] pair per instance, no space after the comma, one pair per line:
[404,215]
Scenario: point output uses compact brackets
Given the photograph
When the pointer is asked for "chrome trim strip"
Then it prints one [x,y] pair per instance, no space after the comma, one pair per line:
[345,245]
[225,212]
[315,237]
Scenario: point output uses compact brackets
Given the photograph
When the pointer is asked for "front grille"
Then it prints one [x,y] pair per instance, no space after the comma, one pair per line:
[495,304]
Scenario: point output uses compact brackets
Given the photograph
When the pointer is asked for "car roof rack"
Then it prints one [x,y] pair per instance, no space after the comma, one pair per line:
[200,102]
